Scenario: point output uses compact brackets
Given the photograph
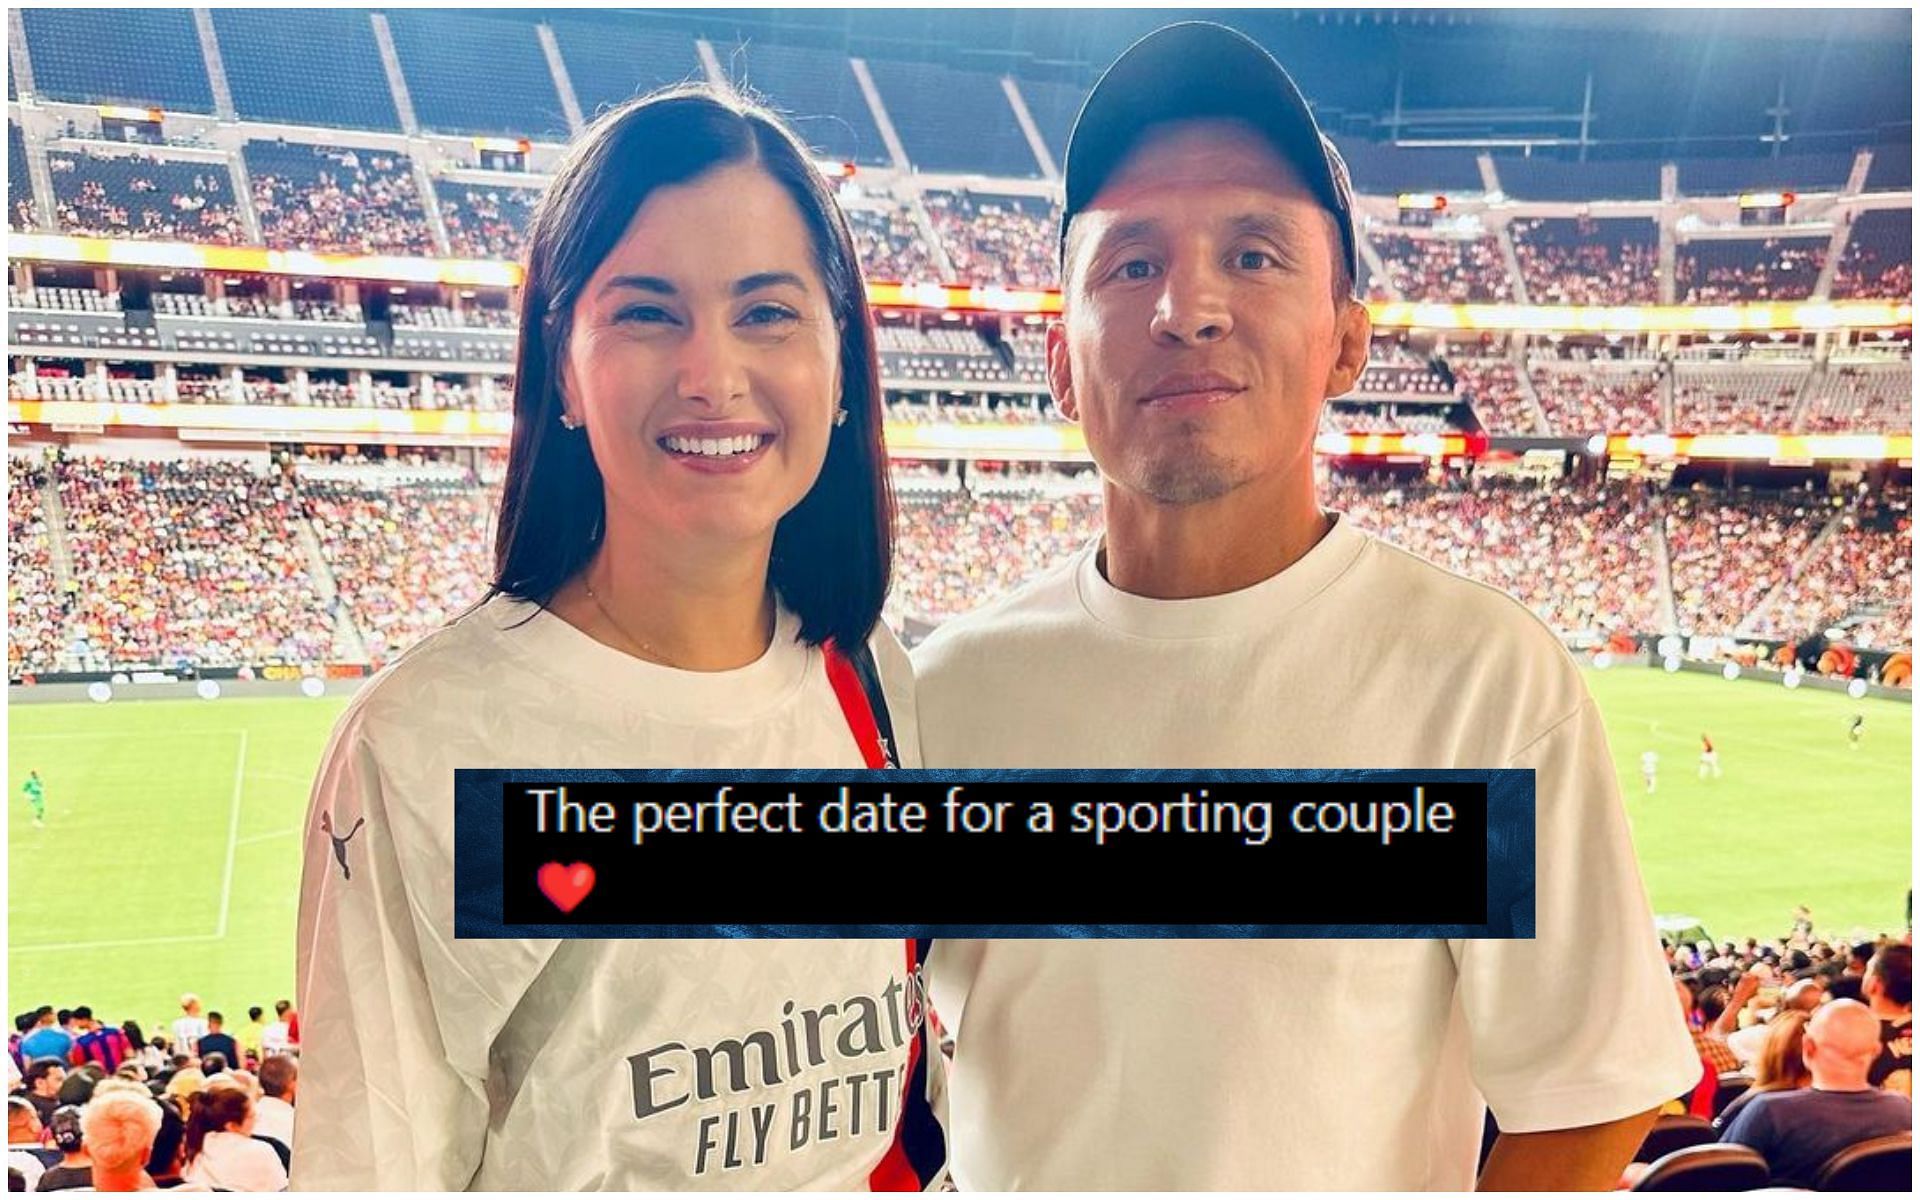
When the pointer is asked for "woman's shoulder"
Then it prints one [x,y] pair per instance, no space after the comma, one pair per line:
[464,656]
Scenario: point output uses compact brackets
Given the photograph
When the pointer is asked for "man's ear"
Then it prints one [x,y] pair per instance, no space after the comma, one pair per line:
[1060,372]
[1353,326]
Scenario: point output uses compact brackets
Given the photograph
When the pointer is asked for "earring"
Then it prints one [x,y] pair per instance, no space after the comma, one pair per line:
[568,420]
[839,416]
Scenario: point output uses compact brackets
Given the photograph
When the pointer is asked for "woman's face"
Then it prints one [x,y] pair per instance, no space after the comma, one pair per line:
[704,360]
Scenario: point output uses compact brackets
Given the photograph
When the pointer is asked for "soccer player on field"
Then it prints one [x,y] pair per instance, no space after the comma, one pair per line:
[1650,770]
[1709,758]
[36,794]
[1855,730]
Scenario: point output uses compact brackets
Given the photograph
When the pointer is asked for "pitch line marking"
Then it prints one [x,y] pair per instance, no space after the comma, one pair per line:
[233,833]
[115,942]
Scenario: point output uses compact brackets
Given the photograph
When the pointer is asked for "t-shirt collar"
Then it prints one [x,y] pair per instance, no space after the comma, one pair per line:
[1227,614]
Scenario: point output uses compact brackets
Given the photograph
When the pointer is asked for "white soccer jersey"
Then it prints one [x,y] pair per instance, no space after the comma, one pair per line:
[432,1063]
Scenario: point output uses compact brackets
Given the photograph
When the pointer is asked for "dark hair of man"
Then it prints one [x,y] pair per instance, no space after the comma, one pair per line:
[215,1018]
[213,1063]
[39,1069]
[1893,967]
[277,1073]
[136,1037]
[254,1013]
[163,1162]
[280,1007]
[832,554]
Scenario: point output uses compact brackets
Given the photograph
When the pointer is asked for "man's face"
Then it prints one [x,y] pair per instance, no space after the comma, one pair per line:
[1200,337]
[49,1084]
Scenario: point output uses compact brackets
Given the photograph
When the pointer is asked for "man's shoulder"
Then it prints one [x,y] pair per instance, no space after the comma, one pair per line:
[1041,608]
[1429,594]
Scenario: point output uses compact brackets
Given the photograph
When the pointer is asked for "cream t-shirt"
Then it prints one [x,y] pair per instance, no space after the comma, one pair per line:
[1233,1064]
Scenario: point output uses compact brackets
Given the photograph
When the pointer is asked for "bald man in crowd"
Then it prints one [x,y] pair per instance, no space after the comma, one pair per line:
[1799,1130]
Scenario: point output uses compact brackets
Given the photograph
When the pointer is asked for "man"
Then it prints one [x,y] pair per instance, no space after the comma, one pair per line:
[1889,992]
[273,1116]
[43,1078]
[120,1125]
[36,794]
[1650,769]
[278,1036]
[217,1041]
[47,1040]
[251,1033]
[26,1151]
[1854,731]
[190,1027]
[1799,1130]
[1709,758]
[1226,621]
[103,1045]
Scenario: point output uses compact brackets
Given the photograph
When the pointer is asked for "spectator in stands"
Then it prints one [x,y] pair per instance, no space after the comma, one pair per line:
[1780,1066]
[120,1126]
[26,1148]
[694,507]
[43,1078]
[47,1039]
[221,1150]
[1888,989]
[218,1041]
[1208,313]
[150,1053]
[78,1086]
[190,1027]
[75,1169]
[250,1034]
[273,1115]
[103,1045]
[185,1087]
[278,1036]
[169,1155]
[1798,1131]
[1802,995]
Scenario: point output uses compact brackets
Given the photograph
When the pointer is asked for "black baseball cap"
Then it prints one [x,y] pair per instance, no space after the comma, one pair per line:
[1201,69]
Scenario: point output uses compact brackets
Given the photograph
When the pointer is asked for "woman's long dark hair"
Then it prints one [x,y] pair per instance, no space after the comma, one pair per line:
[833,553]
[212,1111]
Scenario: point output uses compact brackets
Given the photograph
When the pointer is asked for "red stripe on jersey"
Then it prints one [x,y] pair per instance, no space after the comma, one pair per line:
[895,1173]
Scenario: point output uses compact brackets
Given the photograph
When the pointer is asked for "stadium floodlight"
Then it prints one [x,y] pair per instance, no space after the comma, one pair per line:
[99,692]
[1791,679]
[1730,672]
[1671,663]
[1857,689]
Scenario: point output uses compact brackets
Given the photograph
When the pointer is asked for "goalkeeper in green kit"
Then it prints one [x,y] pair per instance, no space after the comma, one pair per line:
[36,794]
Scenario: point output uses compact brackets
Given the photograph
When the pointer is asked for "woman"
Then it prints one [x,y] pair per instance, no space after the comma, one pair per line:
[695,523]
[1779,1065]
[221,1150]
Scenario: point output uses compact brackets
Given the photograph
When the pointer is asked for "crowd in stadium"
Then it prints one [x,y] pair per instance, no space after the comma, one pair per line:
[140,196]
[207,1105]
[185,562]
[486,222]
[1583,261]
[1726,272]
[209,1102]
[1442,269]
[1008,240]
[201,561]
[333,200]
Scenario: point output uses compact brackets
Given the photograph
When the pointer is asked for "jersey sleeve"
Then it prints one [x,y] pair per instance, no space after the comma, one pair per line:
[397,1018]
[1578,1025]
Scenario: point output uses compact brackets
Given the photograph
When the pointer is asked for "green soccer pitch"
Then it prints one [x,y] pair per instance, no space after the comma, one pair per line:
[170,858]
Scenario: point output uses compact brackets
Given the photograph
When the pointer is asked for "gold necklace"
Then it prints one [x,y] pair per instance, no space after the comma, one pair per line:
[647,649]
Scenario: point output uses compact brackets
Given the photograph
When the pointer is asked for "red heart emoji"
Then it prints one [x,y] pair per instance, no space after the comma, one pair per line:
[566,884]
